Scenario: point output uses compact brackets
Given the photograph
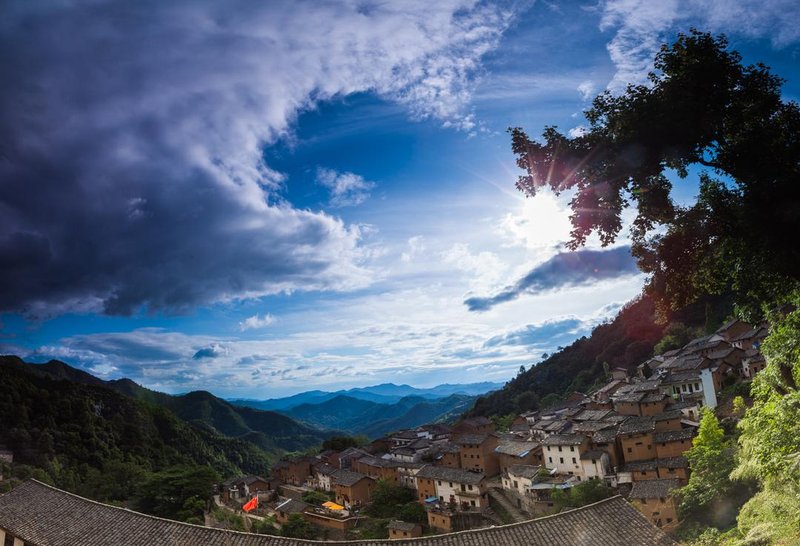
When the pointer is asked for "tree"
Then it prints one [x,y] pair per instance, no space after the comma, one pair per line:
[582,494]
[711,459]
[702,110]
[340,443]
[676,336]
[179,492]
[297,527]
[388,498]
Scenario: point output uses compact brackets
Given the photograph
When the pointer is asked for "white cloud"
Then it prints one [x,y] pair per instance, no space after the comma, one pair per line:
[641,26]
[578,131]
[416,246]
[587,89]
[256,322]
[486,269]
[346,188]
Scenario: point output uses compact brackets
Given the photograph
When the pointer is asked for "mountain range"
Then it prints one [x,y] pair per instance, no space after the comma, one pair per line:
[385,393]
[376,410]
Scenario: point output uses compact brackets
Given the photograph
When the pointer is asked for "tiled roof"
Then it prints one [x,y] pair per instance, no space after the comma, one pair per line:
[669,462]
[524,470]
[674,435]
[402,526]
[652,489]
[638,466]
[641,386]
[637,425]
[29,511]
[469,439]
[592,415]
[592,426]
[378,462]
[325,469]
[667,415]
[347,477]
[631,397]
[673,462]
[517,449]
[564,440]
[653,397]
[593,454]
[292,506]
[605,436]
[450,474]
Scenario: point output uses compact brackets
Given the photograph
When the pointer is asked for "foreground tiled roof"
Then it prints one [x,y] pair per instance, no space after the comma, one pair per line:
[45,516]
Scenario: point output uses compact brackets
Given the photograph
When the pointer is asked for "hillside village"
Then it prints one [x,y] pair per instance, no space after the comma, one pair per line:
[631,434]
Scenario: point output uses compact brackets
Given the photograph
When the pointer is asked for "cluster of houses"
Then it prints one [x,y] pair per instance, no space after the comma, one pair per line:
[631,433]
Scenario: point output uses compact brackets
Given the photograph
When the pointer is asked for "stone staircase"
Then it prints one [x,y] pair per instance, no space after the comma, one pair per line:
[499,495]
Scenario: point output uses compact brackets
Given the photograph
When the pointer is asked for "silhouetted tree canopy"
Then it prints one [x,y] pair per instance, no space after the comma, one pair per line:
[704,112]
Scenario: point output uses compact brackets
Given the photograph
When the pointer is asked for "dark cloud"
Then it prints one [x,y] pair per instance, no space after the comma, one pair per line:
[551,333]
[564,269]
[132,134]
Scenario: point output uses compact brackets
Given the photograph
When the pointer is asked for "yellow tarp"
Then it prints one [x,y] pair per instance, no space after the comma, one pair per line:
[332,506]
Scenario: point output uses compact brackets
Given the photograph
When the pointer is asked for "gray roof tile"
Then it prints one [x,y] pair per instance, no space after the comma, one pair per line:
[29,510]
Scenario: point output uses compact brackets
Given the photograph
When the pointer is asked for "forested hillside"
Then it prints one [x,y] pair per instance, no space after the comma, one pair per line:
[626,341]
[75,433]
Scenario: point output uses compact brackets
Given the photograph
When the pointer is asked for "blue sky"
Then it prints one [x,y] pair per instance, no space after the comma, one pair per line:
[262,198]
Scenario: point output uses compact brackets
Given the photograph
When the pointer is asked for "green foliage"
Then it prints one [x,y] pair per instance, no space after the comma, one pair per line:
[388,499]
[702,107]
[711,459]
[676,335]
[739,406]
[503,423]
[770,430]
[315,497]
[298,527]
[771,517]
[178,492]
[228,519]
[582,494]
[340,443]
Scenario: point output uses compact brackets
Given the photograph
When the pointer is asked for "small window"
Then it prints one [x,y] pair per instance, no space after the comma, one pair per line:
[561,460]
[550,459]
[559,449]
[630,450]
[574,461]
[572,448]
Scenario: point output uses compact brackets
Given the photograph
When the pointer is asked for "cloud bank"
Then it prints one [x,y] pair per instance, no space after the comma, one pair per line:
[132,175]
[641,26]
[562,270]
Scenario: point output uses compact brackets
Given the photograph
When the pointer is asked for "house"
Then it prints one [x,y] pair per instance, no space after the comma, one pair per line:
[605,440]
[322,473]
[244,487]
[654,499]
[403,529]
[352,488]
[412,452]
[477,453]
[293,471]
[673,443]
[595,464]
[668,420]
[676,468]
[690,409]
[562,453]
[520,478]
[458,488]
[635,437]
[515,452]
[351,454]
[289,507]
[733,329]
[752,363]
[474,425]
[620,374]
[447,454]
[377,468]
[751,339]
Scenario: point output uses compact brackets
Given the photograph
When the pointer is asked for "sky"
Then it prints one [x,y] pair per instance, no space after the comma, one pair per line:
[262,198]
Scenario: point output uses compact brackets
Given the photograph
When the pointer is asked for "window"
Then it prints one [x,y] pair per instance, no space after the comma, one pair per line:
[550,459]
[472,502]
[515,484]
[644,501]
[450,484]
[561,460]
[440,482]
[572,448]
[559,449]
[469,487]
[638,443]
[630,450]
[574,461]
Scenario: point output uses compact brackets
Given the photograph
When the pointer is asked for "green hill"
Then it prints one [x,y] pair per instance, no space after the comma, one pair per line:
[73,430]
